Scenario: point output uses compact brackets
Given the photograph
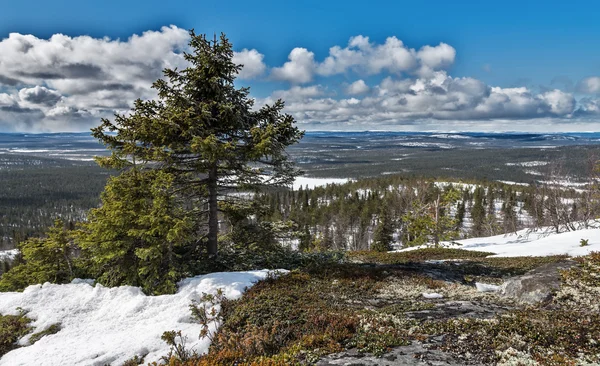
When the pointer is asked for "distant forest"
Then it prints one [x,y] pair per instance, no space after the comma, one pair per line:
[37,190]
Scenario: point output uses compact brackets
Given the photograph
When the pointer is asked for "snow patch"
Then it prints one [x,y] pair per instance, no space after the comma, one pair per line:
[8,254]
[101,325]
[486,287]
[316,182]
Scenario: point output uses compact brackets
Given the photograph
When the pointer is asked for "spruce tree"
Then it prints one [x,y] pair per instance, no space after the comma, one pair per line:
[139,234]
[204,132]
[48,259]
[383,236]
[478,212]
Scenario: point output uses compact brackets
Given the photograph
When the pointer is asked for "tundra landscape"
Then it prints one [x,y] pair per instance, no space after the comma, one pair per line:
[287,184]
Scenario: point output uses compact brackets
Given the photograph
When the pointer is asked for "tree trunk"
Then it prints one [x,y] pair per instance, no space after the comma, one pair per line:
[213,212]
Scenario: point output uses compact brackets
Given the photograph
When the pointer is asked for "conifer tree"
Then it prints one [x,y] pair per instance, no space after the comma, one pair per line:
[383,236]
[478,211]
[139,234]
[48,259]
[204,132]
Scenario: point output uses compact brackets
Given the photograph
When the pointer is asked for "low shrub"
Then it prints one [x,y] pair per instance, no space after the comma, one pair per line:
[12,328]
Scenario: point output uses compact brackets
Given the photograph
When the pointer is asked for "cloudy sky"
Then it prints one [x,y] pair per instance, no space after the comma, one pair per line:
[343,65]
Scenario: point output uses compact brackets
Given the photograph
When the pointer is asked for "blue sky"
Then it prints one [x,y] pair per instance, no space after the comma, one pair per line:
[542,46]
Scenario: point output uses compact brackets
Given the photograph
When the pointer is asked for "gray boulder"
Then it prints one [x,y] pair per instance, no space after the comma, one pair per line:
[536,285]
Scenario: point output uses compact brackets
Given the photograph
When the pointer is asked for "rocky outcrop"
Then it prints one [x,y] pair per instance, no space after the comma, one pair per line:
[537,285]
[416,354]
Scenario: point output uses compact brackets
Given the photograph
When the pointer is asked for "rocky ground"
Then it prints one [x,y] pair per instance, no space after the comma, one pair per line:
[425,307]
[537,287]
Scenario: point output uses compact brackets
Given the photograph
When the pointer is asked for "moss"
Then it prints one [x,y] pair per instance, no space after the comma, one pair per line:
[306,314]
[550,337]
[12,328]
[52,329]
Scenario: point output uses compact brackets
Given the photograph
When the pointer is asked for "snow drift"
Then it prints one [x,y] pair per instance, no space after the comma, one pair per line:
[525,243]
[103,325]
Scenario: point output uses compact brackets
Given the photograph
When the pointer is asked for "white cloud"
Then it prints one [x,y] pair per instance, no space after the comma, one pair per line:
[299,69]
[363,56]
[298,93]
[39,95]
[357,87]
[588,107]
[438,97]
[590,85]
[7,100]
[252,61]
[91,76]
[69,83]
[561,104]
[437,57]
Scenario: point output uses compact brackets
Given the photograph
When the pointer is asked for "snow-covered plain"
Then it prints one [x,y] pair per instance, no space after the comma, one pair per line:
[524,243]
[101,326]
[311,183]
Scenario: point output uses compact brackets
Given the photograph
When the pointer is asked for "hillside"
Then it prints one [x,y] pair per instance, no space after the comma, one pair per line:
[370,304]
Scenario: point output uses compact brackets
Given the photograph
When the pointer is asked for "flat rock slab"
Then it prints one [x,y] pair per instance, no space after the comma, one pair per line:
[417,354]
[459,309]
[536,285]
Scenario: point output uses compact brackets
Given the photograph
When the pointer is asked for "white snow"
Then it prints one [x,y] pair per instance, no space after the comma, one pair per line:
[524,243]
[103,325]
[540,243]
[316,182]
[432,295]
[8,254]
[513,183]
[529,163]
[486,287]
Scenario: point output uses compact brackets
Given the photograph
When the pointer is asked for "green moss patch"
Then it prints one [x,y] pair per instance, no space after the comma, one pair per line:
[12,328]
[52,329]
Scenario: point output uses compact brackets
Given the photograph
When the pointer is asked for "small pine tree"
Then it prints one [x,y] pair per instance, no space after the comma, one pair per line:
[50,259]
[383,236]
[478,212]
[138,235]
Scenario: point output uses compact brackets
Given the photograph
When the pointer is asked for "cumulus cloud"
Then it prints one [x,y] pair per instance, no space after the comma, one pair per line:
[252,61]
[40,95]
[84,74]
[299,93]
[590,85]
[299,68]
[588,107]
[7,100]
[437,97]
[362,56]
[69,83]
[80,79]
[357,87]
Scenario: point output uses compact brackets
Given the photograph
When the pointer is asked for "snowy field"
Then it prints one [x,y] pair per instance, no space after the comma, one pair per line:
[102,326]
[316,182]
[524,243]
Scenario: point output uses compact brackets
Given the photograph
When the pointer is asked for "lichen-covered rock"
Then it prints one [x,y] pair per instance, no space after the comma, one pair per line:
[417,354]
[536,285]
